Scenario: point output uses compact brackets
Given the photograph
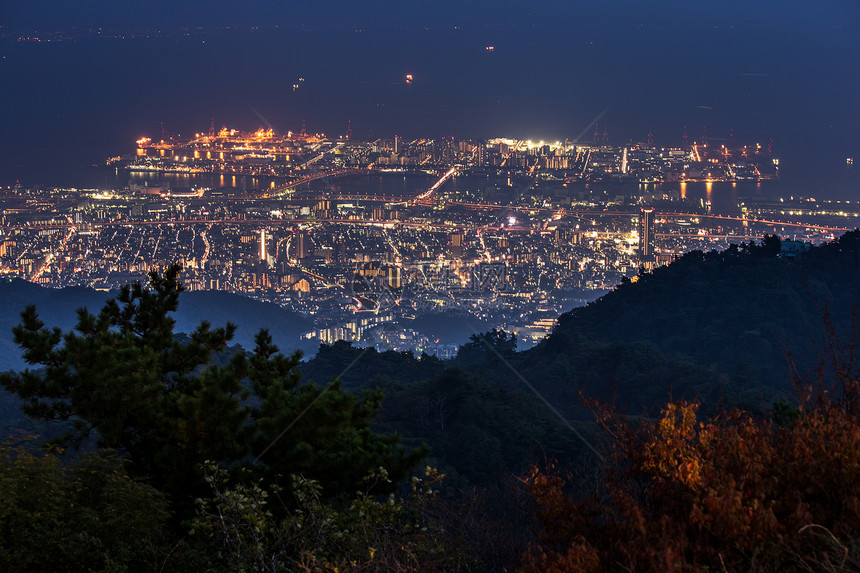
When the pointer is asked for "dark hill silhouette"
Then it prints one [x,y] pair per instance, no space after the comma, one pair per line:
[711,326]
[714,326]
[356,366]
[58,307]
[447,327]
[55,307]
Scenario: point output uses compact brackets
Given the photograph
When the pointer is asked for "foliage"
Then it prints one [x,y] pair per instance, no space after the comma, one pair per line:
[85,516]
[163,402]
[393,533]
[487,347]
[122,376]
[334,360]
[736,311]
[734,493]
[330,437]
[686,491]
[711,327]
[479,432]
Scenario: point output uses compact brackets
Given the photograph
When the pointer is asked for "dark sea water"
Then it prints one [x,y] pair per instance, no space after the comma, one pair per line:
[67,105]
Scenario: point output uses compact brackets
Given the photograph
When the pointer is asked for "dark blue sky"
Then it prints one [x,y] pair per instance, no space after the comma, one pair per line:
[781,70]
[61,13]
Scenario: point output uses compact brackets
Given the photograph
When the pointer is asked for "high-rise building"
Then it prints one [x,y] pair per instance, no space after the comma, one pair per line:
[323,210]
[455,246]
[339,249]
[394,277]
[562,236]
[646,234]
[263,255]
[301,245]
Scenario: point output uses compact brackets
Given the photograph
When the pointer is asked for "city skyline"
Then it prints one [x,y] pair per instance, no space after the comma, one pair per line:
[366,240]
[295,148]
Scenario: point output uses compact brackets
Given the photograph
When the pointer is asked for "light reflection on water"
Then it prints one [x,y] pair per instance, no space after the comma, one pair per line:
[723,196]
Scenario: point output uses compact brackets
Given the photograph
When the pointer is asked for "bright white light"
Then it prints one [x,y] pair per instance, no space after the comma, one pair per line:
[512,220]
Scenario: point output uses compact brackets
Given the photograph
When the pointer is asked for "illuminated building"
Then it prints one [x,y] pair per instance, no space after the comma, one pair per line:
[323,210]
[646,234]
[263,245]
[259,148]
[456,245]
[302,286]
[394,277]
[301,245]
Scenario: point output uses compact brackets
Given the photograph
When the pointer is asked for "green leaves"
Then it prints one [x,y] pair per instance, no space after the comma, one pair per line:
[390,533]
[164,402]
[86,516]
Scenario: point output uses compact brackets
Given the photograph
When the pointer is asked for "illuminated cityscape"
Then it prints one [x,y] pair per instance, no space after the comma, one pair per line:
[263,153]
[429,287]
[363,237]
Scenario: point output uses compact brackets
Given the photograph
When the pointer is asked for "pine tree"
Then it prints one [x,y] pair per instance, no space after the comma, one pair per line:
[123,380]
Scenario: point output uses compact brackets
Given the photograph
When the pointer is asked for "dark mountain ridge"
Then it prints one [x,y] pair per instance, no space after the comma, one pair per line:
[724,328]
[58,307]
[714,327]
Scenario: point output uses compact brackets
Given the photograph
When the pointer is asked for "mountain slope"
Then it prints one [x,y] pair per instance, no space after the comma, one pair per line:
[737,314]
[58,307]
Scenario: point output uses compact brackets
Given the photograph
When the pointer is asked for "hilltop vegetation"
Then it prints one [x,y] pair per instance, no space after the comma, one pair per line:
[711,450]
[738,311]
[724,329]
[121,379]
[731,492]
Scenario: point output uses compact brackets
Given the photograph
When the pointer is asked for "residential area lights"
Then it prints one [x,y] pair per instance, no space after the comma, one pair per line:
[506,231]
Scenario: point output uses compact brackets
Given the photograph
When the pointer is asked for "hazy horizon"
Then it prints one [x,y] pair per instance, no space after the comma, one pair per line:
[772,72]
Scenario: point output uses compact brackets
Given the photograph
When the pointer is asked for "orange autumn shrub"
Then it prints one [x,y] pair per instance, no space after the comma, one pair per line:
[735,493]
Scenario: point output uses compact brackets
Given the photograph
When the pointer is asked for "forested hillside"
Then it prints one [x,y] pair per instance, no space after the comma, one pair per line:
[718,328]
[725,328]
[738,311]
[682,421]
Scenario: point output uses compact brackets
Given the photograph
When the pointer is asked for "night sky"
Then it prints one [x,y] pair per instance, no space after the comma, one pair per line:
[786,71]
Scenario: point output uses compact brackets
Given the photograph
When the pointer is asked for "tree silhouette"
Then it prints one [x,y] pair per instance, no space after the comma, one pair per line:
[168,403]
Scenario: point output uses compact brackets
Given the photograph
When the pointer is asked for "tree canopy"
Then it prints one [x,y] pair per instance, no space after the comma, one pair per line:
[124,380]
[731,492]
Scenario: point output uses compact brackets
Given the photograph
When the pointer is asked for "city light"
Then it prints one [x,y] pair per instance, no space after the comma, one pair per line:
[289,217]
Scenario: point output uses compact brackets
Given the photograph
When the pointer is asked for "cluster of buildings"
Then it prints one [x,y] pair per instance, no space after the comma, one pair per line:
[265,153]
[367,239]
